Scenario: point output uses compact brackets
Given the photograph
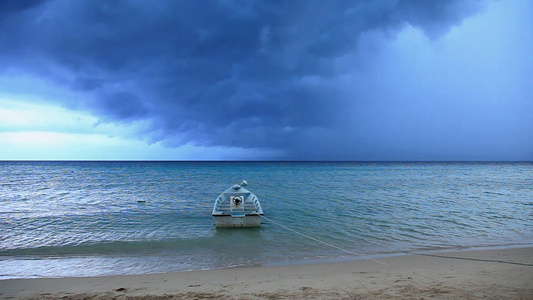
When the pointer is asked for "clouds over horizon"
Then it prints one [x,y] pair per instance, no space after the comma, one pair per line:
[302,79]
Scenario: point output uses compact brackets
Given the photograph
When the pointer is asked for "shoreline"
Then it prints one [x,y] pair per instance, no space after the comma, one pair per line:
[300,261]
[348,258]
[467,274]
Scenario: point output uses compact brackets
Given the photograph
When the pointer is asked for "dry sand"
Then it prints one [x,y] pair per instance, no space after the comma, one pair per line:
[479,274]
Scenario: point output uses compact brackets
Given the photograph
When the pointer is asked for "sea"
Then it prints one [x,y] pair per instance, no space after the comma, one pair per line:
[88,218]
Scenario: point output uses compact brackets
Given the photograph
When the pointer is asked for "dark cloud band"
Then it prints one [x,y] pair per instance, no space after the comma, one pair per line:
[250,74]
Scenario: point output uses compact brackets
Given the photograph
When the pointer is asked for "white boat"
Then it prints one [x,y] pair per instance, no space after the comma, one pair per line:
[237,207]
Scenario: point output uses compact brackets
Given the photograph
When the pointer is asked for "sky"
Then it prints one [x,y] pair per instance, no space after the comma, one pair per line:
[361,80]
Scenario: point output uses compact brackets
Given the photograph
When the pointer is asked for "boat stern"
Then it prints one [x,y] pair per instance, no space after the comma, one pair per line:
[237,220]
[237,207]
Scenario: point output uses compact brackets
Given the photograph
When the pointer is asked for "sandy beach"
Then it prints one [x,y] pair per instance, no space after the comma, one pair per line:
[476,274]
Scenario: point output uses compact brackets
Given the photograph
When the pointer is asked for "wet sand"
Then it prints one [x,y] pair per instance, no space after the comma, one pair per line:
[477,274]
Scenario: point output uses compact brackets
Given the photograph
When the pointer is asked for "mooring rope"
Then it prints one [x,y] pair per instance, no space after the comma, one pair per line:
[473,259]
[325,243]
[375,260]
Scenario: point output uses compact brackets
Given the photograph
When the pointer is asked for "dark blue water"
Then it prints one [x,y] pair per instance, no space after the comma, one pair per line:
[83,218]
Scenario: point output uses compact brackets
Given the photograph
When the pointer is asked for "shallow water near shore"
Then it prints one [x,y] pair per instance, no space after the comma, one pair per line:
[84,218]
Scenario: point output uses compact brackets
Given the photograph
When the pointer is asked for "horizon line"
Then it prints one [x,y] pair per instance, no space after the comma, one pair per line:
[288,160]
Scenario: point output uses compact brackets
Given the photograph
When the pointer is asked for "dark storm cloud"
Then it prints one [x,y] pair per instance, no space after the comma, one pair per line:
[213,73]
[10,7]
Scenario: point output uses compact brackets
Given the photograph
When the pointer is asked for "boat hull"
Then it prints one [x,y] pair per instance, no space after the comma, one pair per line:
[237,221]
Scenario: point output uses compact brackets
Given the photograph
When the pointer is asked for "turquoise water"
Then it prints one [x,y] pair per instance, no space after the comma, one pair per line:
[83,218]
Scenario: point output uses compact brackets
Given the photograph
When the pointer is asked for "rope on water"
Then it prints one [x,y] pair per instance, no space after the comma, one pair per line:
[325,243]
[375,260]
